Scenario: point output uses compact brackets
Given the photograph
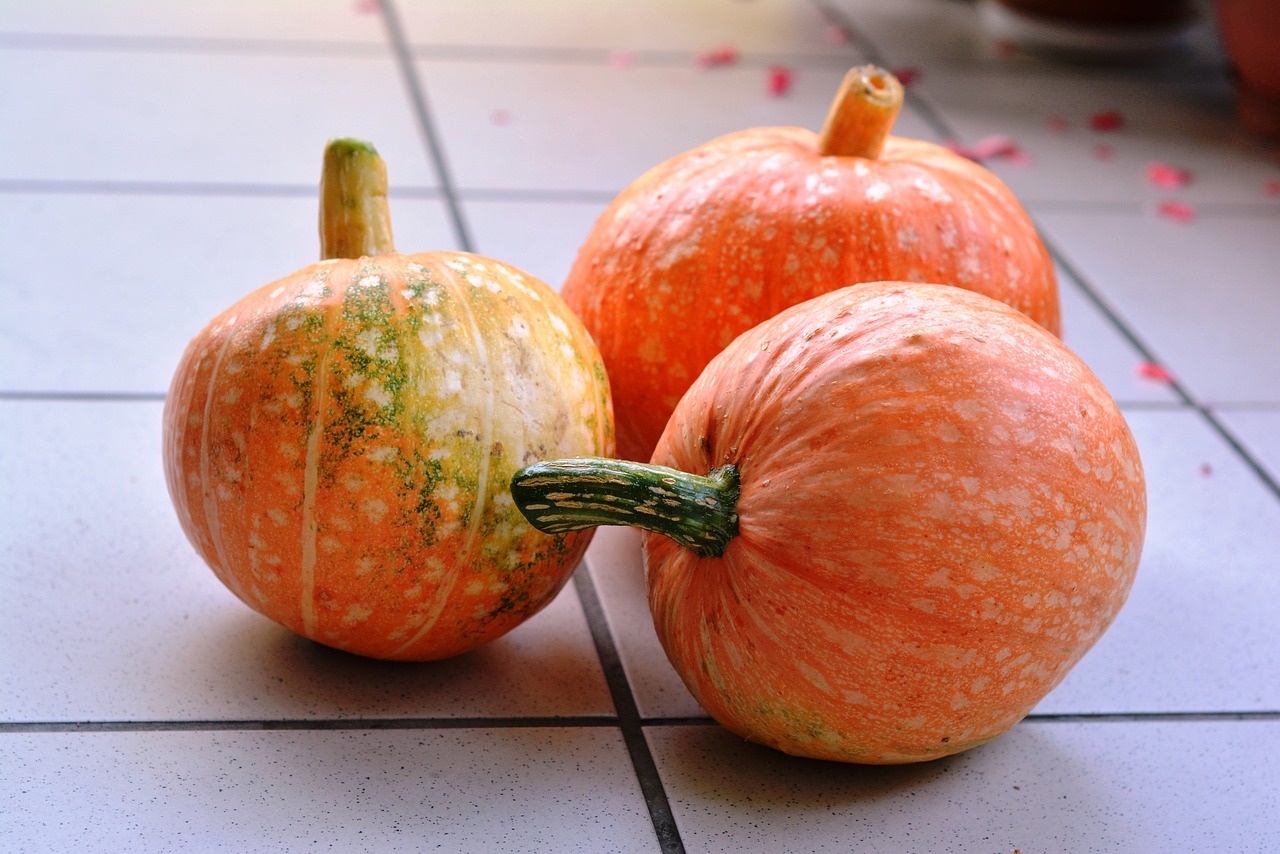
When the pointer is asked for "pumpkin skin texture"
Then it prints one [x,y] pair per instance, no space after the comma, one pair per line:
[728,234]
[940,510]
[338,446]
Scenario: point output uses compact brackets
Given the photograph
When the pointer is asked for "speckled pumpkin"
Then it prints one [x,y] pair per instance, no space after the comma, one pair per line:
[338,444]
[708,244]
[890,520]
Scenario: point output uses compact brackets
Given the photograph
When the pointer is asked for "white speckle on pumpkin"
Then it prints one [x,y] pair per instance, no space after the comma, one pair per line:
[382,453]
[969,409]
[878,191]
[278,517]
[376,394]
[374,509]
[931,189]
[452,383]
[369,341]
[312,292]
[330,545]
[519,327]
[356,614]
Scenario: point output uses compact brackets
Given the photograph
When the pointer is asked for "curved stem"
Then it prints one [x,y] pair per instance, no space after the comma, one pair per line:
[354,217]
[698,512]
[862,114]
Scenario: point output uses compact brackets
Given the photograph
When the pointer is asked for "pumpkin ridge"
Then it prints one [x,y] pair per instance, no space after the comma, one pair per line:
[209,506]
[467,554]
[311,472]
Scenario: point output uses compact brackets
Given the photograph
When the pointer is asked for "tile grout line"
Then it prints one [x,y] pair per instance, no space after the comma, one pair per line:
[232,189]
[308,725]
[94,396]
[542,722]
[418,97]
[1205,411]
[629,720]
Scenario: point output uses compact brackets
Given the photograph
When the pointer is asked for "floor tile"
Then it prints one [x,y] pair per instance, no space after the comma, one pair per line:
[1186,122]
[1202,295]
[1259,431]
[500,131]
[1113,358]
[511,790]
[924,35]
[290,20]
[211,118]
[618,573]
[107,613]
[138,275]
[539,237]
[767,27]
[1144,788]
[1198,632]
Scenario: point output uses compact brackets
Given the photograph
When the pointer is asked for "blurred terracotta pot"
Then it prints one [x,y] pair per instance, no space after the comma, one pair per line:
[1107,13]
[1090,30]
[1251,35]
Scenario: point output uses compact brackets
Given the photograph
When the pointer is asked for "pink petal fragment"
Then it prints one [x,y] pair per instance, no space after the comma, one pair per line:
[779,80]
[989,148]
[1205,469]
[500,117]
[1102,152]
[622,59]
[368,7]
[1106,120]
[1164,175]
[1176,211]
[1057,124]
[907,76]
[1152,371]
[723,55]
[1272,188]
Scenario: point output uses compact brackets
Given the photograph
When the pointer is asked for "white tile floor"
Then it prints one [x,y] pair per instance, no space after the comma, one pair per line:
[159,160]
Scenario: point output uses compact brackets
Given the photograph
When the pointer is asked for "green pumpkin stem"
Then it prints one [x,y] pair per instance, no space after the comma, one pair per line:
[698,512]
[354,218]
[862,114]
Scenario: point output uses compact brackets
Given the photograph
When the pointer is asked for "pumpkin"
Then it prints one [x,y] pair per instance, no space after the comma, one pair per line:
[711,242]
[338,443]
[880,527]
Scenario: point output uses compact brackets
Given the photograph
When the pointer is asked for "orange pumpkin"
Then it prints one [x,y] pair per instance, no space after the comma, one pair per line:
[713,241]
[889,521]
[338,443]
